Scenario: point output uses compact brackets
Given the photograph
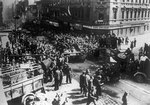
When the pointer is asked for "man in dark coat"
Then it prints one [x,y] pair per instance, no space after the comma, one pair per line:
[132,45]
[82,81]
[98,84]
[57,78]
[68,74]
[124,98]
[134,42]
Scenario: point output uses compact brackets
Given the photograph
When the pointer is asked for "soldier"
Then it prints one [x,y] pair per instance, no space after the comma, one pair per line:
[61,77]
[68,74]
[57,78]
[98,84]
[134,42]
[82,76]
[126,40]
[90,84]
[87,79]
[132,45]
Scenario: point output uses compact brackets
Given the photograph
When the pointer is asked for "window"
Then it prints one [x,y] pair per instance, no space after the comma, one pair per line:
[127,14]
[122,14]
[138,14]
[115,13]
[145,13]
[138,29]
[121,32]
[147,27]
[131,14]
[142,14]
[135,14]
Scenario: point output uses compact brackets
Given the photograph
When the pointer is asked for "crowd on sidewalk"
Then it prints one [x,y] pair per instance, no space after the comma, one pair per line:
[54,44]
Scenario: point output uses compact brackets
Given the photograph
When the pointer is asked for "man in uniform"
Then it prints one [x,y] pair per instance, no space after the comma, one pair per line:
[98,84]
[82,82]
[57,78]
[68,74]
[87,79]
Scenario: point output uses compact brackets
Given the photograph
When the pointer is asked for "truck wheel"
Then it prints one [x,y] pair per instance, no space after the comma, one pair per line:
[139,78]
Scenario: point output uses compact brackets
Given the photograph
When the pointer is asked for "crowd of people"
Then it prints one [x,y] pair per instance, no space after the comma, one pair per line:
[110,41]
[91,85]
[53,44]
[49,52]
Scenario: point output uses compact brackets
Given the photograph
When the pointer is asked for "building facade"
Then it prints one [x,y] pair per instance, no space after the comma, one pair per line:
[122,17]
[132,17]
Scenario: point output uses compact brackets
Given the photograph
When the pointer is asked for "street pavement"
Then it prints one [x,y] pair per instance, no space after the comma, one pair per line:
[71,91]
[138,94]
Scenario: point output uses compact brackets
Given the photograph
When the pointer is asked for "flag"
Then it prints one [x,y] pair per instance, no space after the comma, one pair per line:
[69,10]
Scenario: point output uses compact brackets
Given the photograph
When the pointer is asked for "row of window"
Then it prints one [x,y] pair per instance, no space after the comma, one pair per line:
[132,14]
[134,30]
[136,1]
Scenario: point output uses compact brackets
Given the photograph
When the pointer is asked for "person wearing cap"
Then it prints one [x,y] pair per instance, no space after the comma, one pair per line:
[98,83]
